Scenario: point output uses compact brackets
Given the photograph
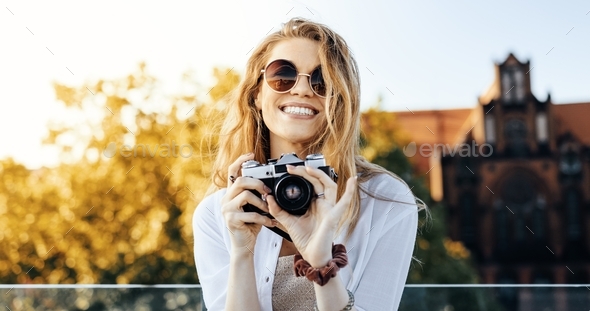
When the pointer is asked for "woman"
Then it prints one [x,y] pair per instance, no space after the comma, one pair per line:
[301,95]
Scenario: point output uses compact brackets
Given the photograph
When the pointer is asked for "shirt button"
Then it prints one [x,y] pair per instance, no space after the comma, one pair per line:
[267,278]
[275,244]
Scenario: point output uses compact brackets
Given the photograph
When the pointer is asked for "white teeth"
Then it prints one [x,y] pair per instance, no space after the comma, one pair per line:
[299,111]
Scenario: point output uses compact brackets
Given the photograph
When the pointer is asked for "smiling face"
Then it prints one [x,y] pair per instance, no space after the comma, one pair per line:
[293,118]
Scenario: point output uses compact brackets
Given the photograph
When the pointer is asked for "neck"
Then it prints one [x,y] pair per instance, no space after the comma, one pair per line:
[281,147]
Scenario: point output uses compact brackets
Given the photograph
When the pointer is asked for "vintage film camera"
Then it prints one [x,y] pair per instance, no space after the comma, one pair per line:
[293,193]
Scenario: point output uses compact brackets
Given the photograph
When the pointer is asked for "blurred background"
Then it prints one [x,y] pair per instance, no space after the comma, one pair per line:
[107,110]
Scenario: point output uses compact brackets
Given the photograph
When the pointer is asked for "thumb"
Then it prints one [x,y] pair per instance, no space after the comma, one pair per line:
[276,211]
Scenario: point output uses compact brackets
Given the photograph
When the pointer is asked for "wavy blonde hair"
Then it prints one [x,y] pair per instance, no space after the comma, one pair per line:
[243,129]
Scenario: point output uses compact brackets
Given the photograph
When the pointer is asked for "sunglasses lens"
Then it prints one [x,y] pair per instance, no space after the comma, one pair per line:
[317,82]
[281,75]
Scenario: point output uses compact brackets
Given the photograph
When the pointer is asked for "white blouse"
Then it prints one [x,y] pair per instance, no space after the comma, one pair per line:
[379,250]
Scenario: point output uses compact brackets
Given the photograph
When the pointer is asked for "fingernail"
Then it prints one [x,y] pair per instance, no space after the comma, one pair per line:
[267,189]
[289,166]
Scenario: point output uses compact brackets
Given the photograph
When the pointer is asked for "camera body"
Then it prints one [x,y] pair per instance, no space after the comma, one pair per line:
[292,193]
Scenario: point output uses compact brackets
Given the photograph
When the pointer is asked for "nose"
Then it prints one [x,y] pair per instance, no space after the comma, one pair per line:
[302,86]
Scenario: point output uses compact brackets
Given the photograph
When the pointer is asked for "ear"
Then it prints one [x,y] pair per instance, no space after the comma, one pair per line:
[257,99]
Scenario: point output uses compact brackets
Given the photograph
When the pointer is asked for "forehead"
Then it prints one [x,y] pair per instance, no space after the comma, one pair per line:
[302,52]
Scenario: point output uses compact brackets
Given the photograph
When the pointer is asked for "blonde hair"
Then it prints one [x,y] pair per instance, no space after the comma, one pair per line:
[244,131]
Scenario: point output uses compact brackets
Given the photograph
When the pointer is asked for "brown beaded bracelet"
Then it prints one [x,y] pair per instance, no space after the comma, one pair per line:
[324,274]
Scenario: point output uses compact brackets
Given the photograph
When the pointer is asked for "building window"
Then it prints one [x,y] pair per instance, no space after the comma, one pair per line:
[515,133]
[572,214]
[490,129]
[541,125]
[467,219]
[513,88]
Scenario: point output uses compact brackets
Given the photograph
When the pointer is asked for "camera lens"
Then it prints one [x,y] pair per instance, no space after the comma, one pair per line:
[293,194]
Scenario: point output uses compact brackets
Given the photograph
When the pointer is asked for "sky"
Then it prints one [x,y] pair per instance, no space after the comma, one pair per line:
[415,55]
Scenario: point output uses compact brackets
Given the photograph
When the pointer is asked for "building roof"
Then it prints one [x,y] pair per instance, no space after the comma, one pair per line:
[434,126]
[573,118]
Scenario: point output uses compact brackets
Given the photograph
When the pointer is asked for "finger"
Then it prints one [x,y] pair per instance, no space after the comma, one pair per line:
[344,202]
[251,218]
[247,197]
[235,168]
[328,187]
[278,213]
[245,184]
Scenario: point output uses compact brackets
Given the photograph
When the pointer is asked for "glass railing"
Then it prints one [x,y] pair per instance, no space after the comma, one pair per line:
[489,297]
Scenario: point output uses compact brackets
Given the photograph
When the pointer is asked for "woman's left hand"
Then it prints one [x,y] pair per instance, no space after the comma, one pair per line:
[313,232]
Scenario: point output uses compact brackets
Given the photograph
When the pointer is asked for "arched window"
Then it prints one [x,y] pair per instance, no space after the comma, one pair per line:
[515,133]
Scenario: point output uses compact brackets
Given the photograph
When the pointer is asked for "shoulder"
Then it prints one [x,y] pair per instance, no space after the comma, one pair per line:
[388,187]
[209,207]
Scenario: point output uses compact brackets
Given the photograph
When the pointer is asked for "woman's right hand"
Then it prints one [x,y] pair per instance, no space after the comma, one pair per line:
[244,226]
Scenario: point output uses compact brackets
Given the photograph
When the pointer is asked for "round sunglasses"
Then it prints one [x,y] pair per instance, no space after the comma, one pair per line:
[282,76]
